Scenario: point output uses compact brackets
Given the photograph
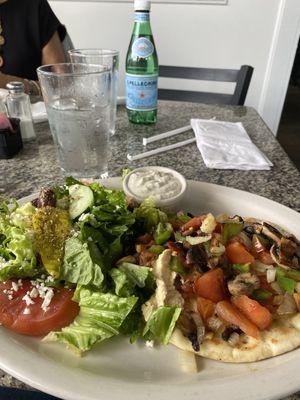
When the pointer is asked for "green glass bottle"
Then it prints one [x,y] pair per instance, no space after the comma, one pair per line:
[141,69]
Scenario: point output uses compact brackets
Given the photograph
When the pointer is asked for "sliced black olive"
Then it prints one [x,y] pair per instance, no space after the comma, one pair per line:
[250,229]
[194,340]
[190,215]
[35,202]
[197,256]
[46,198]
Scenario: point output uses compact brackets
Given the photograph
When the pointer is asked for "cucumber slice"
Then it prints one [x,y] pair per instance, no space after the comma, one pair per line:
[81,198]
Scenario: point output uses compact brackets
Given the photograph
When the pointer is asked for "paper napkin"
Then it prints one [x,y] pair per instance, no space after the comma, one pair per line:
[226,145]
[38,111]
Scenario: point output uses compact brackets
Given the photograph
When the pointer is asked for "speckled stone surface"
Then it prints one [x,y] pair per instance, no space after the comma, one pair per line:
[37,165]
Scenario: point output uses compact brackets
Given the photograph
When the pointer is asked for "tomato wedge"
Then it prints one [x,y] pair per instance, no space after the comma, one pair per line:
[31,319]
[206,308]
[211,285]
[193,223]
[237,254]
[254,311]
[229,313]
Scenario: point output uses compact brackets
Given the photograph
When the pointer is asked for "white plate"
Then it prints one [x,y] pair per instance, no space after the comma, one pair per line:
[116,369]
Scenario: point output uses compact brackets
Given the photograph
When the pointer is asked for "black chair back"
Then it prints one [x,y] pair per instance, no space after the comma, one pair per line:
[242,78]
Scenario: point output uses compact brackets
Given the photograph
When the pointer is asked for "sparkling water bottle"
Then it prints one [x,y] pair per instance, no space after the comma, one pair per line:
[141,69]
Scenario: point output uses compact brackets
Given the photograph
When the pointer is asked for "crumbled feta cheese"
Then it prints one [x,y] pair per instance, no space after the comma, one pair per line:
[149,343]
[14,286]
[34,293]
[47,299]
[26,311]
[10,297]
[27,299]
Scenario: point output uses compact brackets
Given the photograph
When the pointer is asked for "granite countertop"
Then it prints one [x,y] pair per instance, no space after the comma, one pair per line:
[36,165]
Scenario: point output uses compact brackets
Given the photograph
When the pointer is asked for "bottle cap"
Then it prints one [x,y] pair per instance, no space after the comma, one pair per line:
[15,87]
[142,5]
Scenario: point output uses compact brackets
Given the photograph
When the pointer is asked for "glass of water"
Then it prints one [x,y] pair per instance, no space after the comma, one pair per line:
[78,104]
[109,58]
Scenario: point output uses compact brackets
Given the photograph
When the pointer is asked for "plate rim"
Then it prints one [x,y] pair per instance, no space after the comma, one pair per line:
[291,386]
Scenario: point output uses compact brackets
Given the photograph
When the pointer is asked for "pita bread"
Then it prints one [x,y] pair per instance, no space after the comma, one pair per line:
[283,336]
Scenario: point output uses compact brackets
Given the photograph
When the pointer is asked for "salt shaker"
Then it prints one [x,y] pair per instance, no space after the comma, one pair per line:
[18,106]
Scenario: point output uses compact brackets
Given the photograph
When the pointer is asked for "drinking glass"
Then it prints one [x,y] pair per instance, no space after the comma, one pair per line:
[109,58]
[78,104]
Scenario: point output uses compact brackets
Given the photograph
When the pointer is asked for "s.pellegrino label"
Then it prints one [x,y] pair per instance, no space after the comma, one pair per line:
[141,92]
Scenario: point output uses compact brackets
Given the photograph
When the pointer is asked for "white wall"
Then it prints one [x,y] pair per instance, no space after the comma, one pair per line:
[189,35]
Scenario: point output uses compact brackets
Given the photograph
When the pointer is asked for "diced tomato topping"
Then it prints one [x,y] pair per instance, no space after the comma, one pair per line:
[206,308]
[254,311]
[237,254]
[193,223]
[211,285]
[229,313]
[218,228]
[32,319]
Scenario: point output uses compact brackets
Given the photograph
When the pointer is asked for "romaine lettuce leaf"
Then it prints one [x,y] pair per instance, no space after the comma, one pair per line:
[22,216]
[107,226]
[129,276]
[149,216]
[100,317]
[78,266]
[17,253]
[161,323]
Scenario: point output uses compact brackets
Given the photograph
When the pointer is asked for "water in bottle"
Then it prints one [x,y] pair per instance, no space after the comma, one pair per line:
[141,69]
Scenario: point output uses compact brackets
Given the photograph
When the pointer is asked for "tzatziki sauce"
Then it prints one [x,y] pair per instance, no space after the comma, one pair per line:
[155,184]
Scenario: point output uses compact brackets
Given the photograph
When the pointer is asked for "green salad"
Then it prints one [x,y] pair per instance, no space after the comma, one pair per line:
[75,265]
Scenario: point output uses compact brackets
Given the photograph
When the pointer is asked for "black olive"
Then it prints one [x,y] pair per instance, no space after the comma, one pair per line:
[250,229]
[46,198]
[194,340]
[35,202]
[190,215]
[197,256]
[229,331]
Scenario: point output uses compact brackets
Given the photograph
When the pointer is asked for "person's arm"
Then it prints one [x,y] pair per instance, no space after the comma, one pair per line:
[31,87]
[52,52]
